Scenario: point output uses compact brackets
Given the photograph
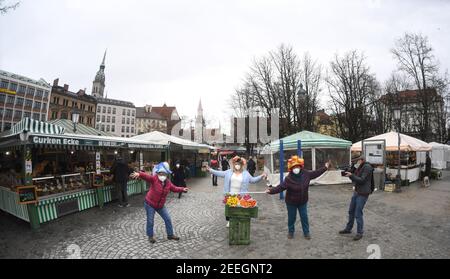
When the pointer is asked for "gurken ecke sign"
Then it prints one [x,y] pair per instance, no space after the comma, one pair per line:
[82,142]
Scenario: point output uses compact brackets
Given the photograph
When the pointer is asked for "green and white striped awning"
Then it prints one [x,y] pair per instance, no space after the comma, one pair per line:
[35,126]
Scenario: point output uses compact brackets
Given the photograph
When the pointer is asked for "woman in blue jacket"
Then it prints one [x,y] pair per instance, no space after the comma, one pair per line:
[236,179]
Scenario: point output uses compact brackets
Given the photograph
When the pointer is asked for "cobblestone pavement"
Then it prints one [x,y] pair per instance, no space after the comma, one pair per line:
[412,224]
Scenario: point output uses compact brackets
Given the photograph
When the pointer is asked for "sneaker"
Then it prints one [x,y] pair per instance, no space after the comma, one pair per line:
[173,237]
[345,232]
[307,236]
[151,239]
[120,205]
[228,224]
[357,237]
[127,205]
[290,235]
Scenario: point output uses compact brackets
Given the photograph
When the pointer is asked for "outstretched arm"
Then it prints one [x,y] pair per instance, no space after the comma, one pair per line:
[280,188]
[216,172]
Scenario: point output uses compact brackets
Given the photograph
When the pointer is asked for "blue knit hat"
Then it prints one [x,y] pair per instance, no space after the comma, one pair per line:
[161,167]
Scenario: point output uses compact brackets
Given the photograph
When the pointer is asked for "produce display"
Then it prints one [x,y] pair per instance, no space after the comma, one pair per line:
[60,184]
[245,201]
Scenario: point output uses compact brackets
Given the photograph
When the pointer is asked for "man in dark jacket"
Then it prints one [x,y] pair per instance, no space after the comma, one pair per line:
[428,165]
[121,172]
[296,185]
[362,178]
[179,177]
[225,164]
[251,166]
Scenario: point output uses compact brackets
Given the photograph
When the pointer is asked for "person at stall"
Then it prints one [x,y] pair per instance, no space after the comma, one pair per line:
[121,172]
[363,180]
[237,179]
[428,165]
[215,166]
[179,177]
[156,198]
[251,166]
[49,168]
[296,185]
[225,164]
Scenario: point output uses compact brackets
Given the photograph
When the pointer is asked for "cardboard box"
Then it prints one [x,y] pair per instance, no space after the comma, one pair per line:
[389,187]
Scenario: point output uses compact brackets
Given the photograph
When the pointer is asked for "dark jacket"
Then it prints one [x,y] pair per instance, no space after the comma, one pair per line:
[225,165]
[179,176]
[157,193]
[362,178]
[297,186]
[251,166]
[121,171]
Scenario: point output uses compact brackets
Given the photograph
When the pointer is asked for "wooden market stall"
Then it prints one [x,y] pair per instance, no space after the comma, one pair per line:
[69,172]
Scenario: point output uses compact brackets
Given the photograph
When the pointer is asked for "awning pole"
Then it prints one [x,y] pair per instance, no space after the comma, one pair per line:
[281,166]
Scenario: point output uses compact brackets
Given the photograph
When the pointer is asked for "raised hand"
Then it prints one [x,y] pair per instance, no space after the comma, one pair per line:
[185,190]
[134,175]
[264,175]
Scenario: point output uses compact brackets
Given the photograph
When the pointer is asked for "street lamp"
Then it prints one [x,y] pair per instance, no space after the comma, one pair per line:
[397,116]
[75,119]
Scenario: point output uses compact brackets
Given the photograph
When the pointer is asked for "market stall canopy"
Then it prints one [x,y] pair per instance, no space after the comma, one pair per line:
[81,128]
[163,138]
[308,140]
[407,143]
[34,126]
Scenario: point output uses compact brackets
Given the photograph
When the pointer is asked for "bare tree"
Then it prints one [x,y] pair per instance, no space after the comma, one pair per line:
[415,59]
[274,81]
[353,90]
[5,8]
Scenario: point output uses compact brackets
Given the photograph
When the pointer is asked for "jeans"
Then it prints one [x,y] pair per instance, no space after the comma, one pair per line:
[356,211]
[151,218]
[292,216]
[214,180]
[122,189]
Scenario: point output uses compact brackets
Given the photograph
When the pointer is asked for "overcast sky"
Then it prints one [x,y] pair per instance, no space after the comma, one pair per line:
[180,51]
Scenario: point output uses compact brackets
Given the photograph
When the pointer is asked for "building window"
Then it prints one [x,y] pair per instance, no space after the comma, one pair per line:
[103,127]
[132,130]
[54,115]
[65,102]
[123,120]
[98,118]
[104,109]
[132,121]
[4,84]
[108,119]
[37,105]
[55,100]
[64,115]
[39,93]
[103,119]
[22,89]
[7,126]
[10,100]
[30,91]
[113,119]
[36,116]
[27,114]
[13,87]
[128,112]
[123,130]
[128,129]
[18,114]
[128,121]
[123,112]
[28,103]
[45,94]
[19,101]
[99,109]
[8,114]
[132,113]
[113,128]
[44,106]
[2,98]
[109,110]
[114,110]
[43,117]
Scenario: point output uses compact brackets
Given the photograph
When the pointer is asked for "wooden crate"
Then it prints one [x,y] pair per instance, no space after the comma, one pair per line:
[389,187]
[239,230]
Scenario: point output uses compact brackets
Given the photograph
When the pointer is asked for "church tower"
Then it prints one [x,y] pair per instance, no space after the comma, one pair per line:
[199,124]
[98,86]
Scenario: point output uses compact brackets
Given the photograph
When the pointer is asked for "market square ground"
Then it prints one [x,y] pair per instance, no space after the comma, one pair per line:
[412,224]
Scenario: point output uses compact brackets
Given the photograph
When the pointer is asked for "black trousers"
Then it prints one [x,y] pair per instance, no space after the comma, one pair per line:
[214,180]
[122,190]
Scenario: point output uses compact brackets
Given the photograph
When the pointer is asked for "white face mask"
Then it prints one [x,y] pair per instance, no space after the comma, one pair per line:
[237,167]
[357,165]
[162,178]
[296,170]
[178,165]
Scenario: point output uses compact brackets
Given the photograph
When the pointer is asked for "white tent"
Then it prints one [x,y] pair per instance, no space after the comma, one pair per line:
[407,143]
[162,138]
[440,155]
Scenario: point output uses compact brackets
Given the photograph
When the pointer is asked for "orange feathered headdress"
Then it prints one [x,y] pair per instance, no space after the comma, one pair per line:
[237,159]
[295,161]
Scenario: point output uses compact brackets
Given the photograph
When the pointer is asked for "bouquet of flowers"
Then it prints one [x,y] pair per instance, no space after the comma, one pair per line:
[245,201]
